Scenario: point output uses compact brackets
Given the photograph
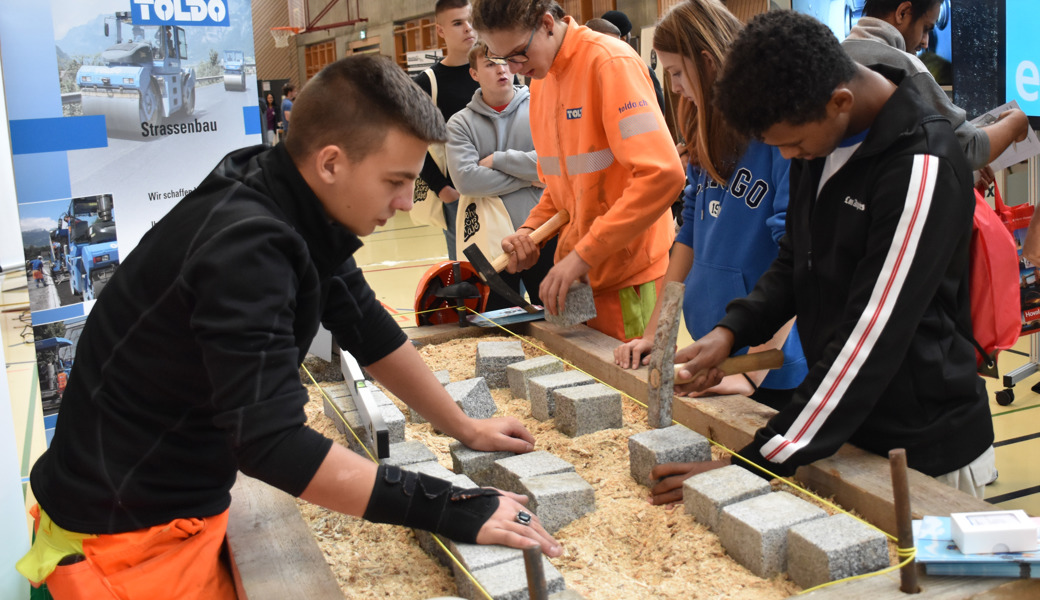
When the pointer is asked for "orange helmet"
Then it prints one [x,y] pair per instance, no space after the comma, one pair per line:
[442,286]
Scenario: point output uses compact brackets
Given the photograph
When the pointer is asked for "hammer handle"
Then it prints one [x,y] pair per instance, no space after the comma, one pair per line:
[758,361]
[546,231]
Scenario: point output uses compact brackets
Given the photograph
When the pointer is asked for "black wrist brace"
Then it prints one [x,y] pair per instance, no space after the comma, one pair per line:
[417,500]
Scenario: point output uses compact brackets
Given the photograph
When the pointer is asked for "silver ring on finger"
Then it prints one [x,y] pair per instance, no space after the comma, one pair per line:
[523,517]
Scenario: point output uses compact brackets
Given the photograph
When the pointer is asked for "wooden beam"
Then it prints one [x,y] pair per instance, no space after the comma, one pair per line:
[858,480]
[886,587]
[438,334]
[273,552]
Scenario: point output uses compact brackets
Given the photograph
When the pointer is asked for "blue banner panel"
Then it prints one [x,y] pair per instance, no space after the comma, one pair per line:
[1023,55]
[39,177]
[42,317]
[33,136]
[251,116]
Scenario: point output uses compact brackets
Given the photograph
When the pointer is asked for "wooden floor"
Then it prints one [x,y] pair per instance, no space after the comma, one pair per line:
[394,259]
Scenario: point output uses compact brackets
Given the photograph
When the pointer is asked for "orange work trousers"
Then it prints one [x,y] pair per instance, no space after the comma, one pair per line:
[177,560]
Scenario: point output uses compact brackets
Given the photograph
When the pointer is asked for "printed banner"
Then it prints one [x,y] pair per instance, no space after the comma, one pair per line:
[1023,55]
[117,110]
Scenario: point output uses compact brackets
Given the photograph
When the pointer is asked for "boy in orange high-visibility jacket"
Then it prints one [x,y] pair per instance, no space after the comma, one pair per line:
[604,153]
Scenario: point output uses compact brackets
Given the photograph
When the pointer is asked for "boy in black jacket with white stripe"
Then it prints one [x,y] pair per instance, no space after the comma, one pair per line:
[874,263]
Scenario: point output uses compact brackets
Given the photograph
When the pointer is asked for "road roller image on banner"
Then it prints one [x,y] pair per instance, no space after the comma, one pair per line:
[234,71]
[90,247]
[140,81]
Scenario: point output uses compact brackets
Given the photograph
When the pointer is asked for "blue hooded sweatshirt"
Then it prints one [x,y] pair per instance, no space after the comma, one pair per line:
[734,232]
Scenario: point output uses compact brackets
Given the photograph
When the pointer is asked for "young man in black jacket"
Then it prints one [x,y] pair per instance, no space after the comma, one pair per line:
[187,369]
[874,264]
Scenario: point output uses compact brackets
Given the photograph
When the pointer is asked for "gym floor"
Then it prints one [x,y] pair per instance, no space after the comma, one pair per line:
[394,259]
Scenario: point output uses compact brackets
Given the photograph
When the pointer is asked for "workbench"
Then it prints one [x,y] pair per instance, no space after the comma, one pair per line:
[274,554]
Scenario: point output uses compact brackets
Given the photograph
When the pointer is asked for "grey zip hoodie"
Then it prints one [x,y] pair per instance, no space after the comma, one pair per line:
[876,42]
[479,130]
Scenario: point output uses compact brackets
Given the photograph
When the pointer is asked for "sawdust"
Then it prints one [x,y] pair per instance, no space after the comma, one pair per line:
[626,549]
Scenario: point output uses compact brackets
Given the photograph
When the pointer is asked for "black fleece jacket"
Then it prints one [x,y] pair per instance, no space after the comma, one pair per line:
[876,270]
[187,368]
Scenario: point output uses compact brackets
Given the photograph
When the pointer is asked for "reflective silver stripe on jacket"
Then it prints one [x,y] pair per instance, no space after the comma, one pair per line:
[590,162]
[550,165]
[636,124]
[579,164]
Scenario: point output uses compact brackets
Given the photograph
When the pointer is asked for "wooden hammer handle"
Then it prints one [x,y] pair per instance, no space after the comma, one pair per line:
[546,231]
[758,361]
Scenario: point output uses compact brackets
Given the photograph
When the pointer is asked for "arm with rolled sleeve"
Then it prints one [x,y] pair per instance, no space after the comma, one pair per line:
[639,140]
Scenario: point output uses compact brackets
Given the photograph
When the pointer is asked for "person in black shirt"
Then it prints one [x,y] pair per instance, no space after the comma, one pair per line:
[187,368]
[454,90]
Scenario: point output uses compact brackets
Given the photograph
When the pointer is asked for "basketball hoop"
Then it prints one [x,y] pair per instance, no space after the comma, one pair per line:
[281,35]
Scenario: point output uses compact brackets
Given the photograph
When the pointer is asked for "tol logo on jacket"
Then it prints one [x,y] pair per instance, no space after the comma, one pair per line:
[574,113]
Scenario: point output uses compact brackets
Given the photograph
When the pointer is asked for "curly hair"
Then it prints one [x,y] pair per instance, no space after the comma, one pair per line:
[883,8]
[501,15]
[691,29]
[782,68]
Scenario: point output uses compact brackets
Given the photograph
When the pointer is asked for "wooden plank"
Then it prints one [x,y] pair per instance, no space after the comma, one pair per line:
[273,553]
[882,587]
[858,480]
[438,334]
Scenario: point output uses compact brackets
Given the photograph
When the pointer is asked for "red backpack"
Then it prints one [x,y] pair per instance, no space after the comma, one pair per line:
[995,288]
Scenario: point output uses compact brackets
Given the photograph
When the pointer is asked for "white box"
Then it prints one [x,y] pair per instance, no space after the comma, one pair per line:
[994,532]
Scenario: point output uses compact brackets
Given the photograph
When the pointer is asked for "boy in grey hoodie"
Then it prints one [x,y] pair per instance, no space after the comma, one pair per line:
[887,34]
[490,153]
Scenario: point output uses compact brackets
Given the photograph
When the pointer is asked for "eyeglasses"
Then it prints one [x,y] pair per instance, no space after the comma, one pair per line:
[517,59]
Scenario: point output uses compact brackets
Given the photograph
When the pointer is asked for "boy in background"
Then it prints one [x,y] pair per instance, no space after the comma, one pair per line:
[890,33]
[454,89]
[490,153]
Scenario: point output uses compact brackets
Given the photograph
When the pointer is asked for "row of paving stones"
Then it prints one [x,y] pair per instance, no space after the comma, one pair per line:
[765,531]
[557,493]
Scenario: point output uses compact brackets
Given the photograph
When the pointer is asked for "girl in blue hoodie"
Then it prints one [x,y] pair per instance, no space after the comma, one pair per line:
[733,207]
